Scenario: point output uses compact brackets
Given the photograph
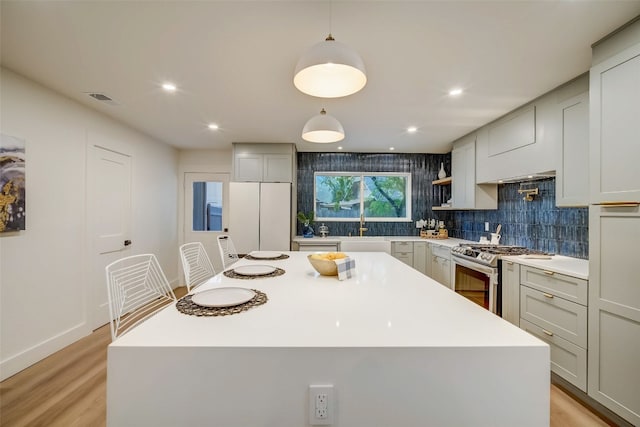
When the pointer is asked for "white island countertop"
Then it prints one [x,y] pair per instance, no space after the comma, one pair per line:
[399,348]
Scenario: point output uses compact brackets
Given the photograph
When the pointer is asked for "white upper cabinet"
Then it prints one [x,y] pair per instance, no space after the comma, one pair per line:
[615,128]
[525,142]
[263,162]
[247,167]
[516,130]
[518,144]
[466,194]
[572,173]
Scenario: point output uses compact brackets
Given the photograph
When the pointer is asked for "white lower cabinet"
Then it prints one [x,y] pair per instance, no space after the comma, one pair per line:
[413,254]
[420,256]
[511,292]
[554,308]
[556,316]
[403,251]
[441,264]
[567,359]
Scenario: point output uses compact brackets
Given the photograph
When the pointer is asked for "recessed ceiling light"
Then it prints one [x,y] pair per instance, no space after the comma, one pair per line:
[391,148]
[455,91]
[339,148]
[529,176]
[213,126]
[169,87]
[412,129]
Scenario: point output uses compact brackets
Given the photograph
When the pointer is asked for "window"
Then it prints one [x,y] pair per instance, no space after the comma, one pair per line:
[344,196]
[207,206]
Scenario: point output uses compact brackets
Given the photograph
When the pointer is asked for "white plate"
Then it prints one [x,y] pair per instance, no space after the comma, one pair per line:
[265,254]
[254,270]
[223,297]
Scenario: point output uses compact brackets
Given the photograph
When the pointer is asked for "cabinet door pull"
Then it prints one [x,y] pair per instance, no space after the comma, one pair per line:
[547,295]
[510,262]
[547,332]
[627,204]
[550,273]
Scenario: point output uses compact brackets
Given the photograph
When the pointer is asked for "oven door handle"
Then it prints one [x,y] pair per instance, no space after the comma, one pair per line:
[489,271]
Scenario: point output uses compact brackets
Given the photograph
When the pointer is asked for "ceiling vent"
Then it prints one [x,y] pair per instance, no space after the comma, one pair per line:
[102,98]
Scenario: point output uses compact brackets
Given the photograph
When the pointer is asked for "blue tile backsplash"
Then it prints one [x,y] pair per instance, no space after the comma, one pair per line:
[538,224]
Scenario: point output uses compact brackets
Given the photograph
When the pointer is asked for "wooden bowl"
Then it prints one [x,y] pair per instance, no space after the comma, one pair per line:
[325,267]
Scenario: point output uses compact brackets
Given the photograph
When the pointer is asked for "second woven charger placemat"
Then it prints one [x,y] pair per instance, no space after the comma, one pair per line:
[186,306]
[233,275]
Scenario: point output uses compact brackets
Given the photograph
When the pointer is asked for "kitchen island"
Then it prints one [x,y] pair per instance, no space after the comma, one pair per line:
[398,348]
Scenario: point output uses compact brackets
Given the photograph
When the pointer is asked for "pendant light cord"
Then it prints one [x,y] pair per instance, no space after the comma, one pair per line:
[330,19]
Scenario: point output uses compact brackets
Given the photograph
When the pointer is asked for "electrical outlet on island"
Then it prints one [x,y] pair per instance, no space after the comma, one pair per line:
[321,405]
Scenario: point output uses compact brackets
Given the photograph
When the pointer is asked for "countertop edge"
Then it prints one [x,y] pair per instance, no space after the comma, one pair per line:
[575,267]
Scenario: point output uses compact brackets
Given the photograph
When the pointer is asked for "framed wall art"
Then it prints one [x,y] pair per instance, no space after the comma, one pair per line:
[12,184]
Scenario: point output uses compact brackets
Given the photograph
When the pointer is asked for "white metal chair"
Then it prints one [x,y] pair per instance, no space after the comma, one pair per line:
[228,252]
[137,288]
[196,264]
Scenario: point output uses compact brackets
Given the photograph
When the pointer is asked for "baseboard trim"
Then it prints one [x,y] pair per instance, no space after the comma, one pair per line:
[606,414]
[28,357]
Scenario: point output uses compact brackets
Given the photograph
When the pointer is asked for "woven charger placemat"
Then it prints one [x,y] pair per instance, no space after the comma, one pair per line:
[283,256]
[233,275]
[186,306]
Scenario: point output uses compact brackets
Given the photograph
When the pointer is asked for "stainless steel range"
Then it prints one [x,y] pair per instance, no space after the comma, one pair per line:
[476,271]
[490,254]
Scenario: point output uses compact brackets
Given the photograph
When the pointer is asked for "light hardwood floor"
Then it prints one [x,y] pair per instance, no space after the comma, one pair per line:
[68,389]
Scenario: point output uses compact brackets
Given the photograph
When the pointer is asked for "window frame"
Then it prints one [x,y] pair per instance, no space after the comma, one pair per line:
[362,175]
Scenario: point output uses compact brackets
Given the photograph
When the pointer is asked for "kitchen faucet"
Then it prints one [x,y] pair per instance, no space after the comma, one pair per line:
[362,227]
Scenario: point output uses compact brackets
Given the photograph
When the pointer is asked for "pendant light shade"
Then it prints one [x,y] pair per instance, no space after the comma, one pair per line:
[330,69]
[323,129]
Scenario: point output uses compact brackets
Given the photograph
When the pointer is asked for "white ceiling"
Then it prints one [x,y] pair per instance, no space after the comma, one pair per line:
[233,63]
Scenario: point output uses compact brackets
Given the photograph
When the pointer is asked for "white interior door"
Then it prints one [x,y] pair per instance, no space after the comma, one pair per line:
[206,210]
[109,221]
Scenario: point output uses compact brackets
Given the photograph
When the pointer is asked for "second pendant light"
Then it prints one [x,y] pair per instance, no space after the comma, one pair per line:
[323,128]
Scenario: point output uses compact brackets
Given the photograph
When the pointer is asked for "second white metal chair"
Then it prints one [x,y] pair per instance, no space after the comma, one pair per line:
[228,252]
[137,288]
[196,264]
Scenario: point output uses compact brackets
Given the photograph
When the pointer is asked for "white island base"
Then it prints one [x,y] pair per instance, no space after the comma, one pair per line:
[406,353]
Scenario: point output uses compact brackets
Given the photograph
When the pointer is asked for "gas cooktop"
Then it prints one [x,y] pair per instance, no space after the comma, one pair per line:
[490,254]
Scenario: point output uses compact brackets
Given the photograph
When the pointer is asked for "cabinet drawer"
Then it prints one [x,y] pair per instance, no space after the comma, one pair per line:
[559,285]
[441,251]
[401,247]
[406,257]
[318,247]
[567,359]
[556,315]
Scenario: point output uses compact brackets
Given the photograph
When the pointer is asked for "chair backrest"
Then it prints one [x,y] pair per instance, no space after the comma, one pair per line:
[228,252]
[196,264]
[137,288]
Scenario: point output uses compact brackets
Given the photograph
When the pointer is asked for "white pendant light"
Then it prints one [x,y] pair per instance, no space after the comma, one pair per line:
[323,129]
[330,69]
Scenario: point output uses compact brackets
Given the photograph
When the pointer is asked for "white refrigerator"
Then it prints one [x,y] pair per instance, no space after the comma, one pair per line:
[260,216]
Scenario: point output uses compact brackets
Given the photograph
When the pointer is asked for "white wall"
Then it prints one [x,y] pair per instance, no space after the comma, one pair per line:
[44,285]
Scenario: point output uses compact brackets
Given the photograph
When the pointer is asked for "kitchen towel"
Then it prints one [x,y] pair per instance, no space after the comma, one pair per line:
[345,267]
